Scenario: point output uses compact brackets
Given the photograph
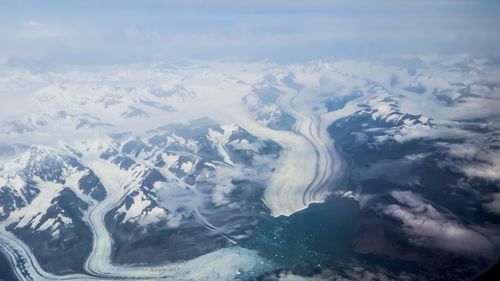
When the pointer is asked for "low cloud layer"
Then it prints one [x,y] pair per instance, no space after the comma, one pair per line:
[429,227]
[117,31]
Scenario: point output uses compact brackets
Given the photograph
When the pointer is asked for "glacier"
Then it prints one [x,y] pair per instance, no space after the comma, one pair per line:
[203,153]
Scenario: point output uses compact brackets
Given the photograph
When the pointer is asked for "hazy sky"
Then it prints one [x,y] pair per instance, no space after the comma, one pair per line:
[97,32]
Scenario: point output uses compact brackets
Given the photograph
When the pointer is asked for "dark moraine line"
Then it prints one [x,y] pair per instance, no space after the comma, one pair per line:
[317,184]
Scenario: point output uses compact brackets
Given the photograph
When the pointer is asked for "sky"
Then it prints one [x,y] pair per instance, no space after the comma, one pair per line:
[124,31]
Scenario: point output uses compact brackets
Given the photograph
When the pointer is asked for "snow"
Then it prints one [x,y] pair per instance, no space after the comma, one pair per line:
[187,166]
[219,140]
[170,159]
[32,213]
[55,223]
[48,223]
[15,181]
[244,144]
[72,180]
[155,215]
[140,203]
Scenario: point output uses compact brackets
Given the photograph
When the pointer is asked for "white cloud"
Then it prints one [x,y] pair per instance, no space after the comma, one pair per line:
[352,272]
[431,228]
[494,205]
[264,30]
[481,159]
[411,133]
[34,40]
[32,23]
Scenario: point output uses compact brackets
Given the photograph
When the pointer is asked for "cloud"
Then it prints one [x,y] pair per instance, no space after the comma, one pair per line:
[32,23]
[351,272]
[431,228]
[479,158]
[489,172]
[277,30]
[494,205]
[33,40]
[431,133]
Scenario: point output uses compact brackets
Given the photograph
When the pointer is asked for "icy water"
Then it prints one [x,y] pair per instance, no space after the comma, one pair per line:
[310,240]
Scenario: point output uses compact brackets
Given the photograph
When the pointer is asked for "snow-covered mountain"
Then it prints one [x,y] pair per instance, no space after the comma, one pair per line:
[45,195]
[149,165]
[20,179]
